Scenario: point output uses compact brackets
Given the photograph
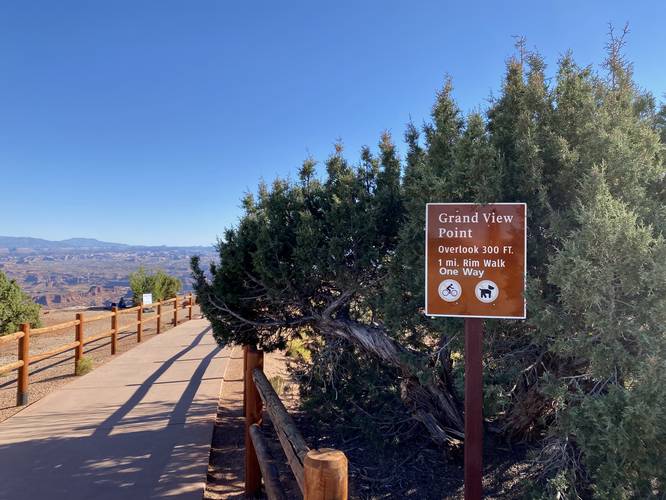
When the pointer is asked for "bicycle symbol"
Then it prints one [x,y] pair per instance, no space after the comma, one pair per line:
[449,290]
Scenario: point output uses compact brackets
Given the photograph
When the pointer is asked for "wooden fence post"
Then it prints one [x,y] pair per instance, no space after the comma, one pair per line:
[159,317]
[189,308]
[175,311]
[253,407]
[325,473]
[114,327]
[139,323]
[78,353]
[245,346]
[23,355]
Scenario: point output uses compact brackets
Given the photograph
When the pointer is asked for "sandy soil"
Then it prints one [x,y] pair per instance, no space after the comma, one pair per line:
[49,374]
[226,463]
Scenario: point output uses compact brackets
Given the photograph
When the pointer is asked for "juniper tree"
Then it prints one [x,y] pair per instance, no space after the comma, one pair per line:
[316,254]
[343,258]
[159,284]
[16,307]
[595,163]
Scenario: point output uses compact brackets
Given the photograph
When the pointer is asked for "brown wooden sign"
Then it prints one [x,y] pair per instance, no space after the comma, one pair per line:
[476,260]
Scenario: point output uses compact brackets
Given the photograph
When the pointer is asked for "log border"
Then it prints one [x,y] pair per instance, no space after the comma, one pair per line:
[320,474]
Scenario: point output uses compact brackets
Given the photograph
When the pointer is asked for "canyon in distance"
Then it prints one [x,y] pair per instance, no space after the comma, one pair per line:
[84,272]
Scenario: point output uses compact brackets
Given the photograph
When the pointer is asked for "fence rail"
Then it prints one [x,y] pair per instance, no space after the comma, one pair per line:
[320,474]
[23,337]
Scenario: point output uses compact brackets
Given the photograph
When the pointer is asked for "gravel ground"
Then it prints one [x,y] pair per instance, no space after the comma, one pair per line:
[52,373]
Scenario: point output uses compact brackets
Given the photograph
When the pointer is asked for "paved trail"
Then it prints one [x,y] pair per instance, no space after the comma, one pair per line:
[137,427]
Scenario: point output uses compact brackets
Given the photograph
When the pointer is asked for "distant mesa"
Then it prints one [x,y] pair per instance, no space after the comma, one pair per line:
[22,245]
[84,272]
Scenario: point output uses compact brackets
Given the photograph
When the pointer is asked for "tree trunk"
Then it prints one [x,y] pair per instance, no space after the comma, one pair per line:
[432,402]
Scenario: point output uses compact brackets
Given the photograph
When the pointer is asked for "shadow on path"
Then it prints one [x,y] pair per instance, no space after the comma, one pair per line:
[115,418]
[153,454]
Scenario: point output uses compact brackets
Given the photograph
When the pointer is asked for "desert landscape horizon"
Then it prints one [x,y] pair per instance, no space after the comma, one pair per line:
[86,272]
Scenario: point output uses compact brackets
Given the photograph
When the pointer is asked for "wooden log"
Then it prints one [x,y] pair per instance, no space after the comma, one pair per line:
[432,401]
[114,327]
[11,337]
[97,337]
[245,346]
[175,311]
[78,354]
[54,352]
[23,374]
[159,315]
[10,367]
[255,359]
[267,464]
[290,437]
[54,328]
[99,316]
[325,475]
[128,310]
[139,324]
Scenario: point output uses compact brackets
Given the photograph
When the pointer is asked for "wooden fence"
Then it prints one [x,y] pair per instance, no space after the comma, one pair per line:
[320,474]
[23,337]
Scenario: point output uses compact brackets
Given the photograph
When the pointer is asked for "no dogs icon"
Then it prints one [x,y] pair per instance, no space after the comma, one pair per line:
[486,291]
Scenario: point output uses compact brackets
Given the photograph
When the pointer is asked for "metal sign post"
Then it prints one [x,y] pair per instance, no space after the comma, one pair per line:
[473,408]
[475,268]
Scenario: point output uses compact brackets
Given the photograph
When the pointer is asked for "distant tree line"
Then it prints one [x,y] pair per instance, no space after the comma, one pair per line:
[341,258]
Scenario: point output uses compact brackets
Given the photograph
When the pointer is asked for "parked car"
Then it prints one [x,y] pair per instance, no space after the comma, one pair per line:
[122,304]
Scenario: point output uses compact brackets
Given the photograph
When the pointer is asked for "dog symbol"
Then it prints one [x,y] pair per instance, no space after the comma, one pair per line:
[487,293]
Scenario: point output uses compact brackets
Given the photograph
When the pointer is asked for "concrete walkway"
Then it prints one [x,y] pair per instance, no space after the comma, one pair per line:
[137,427]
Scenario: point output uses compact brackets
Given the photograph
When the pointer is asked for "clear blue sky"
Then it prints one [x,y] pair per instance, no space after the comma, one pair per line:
[145,121]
